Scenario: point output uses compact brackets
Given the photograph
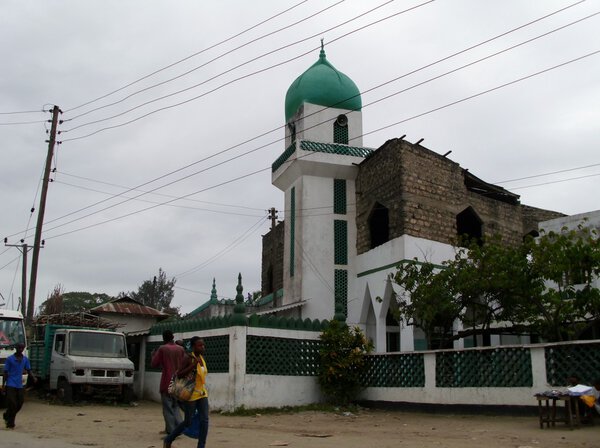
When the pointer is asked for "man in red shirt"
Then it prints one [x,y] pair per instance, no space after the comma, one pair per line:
[168,357]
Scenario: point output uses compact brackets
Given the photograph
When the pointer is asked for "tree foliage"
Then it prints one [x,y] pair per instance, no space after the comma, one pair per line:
[543,286]
[428,301]
[564,266]
[343,363]
[157,293]
[71,302]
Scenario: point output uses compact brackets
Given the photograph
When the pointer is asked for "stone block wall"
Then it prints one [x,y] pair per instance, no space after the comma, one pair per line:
[272,260]
[424,192]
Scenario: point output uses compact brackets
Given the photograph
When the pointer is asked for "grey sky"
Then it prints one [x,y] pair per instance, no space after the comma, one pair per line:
[69,52]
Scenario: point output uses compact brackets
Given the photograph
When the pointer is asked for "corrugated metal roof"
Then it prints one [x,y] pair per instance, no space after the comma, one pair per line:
[282,308]
[127,306]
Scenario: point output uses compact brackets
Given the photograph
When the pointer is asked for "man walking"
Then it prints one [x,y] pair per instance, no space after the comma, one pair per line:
[14,367]
[169,358]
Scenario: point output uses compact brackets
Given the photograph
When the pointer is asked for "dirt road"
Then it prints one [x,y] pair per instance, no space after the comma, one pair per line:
[41,424]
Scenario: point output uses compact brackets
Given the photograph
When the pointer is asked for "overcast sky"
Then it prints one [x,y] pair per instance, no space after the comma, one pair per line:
[70,52]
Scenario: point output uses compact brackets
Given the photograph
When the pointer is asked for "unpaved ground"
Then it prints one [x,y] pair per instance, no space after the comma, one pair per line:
[41,424]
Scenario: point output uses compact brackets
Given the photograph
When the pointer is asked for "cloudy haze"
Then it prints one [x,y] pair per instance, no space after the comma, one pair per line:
[70,52]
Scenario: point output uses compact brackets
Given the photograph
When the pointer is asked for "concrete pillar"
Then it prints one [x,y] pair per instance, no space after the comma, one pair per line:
[237,366]
[538,368]
[429,364]
[407,338]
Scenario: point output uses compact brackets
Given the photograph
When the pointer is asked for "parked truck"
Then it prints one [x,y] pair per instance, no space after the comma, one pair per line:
[12,331]
[79,360]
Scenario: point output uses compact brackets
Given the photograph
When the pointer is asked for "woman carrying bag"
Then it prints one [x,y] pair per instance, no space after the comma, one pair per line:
[193,366]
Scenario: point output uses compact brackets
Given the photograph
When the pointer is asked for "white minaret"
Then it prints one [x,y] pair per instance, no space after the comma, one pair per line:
[316,172]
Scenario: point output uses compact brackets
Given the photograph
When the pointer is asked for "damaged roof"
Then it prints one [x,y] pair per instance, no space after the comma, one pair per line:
[126,305]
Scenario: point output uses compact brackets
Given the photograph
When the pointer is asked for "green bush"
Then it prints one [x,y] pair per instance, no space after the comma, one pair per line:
[343,362]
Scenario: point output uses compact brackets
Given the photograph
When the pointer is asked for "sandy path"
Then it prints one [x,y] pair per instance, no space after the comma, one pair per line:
[114,427]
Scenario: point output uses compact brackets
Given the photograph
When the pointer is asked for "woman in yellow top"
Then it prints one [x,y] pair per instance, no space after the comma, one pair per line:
[199,399]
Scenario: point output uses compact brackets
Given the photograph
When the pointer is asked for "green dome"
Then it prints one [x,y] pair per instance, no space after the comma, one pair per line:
[323,85]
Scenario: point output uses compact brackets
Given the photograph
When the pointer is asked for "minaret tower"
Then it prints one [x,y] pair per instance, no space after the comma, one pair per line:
[316,171]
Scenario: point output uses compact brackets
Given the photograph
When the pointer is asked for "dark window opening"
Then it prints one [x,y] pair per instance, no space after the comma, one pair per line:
[469,226]
[533,234]
[392,335]
[379,225]
[390,319]
[270,281]
[392,342]
[340,130]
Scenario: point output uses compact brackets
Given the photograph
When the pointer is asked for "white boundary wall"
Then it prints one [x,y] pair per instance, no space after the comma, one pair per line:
[431,394]
[229,391]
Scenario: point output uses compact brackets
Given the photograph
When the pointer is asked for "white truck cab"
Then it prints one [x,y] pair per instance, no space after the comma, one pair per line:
[12,331]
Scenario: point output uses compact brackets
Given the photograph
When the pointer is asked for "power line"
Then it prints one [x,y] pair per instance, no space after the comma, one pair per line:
[312,266]
[548,174]
[18,123]
[248,75]
[24,112]
[188,57]
[453,103]
[201,292]
[371,89]
[477,61]
[555,181]
[154,202]
[244,176]
[366,133]
[263,146]
[277,65]
[181,75]
[236,242]
[10,262]
[157,194]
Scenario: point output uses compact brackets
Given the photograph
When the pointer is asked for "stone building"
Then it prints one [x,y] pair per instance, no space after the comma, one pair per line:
[353,214]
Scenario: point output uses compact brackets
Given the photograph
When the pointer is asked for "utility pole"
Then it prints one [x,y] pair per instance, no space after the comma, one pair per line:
[273,217]
[40,218]
[24,248]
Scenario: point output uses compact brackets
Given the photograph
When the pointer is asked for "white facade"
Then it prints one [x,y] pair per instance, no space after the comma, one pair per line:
[373,290]
[589,219]
[307,180]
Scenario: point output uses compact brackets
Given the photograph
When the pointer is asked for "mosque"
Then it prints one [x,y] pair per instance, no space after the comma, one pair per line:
[354,214]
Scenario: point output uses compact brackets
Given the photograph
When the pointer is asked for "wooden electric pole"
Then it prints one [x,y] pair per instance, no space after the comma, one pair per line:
[273,217]
[40,218]
[24,248]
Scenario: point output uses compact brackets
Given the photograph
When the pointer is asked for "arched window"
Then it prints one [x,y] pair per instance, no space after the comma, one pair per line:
[469,226]
[340,130]
[270,281]
[379,225]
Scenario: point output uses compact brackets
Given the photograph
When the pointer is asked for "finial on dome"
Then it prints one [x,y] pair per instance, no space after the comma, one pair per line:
[322,53]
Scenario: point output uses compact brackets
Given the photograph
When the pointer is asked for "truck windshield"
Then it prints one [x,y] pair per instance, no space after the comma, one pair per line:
[11,332]
[103,345]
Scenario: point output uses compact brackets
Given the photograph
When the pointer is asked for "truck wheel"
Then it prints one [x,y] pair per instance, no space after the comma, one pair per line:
[65,391]
[127,396]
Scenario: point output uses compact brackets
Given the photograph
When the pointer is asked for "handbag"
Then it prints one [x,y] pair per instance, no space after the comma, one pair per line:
[182,388]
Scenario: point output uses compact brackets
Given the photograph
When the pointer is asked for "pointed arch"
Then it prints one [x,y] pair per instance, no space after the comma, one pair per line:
[388,317]
[367,316]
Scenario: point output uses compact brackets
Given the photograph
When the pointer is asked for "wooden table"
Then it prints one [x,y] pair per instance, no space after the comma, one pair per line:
[548,412]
